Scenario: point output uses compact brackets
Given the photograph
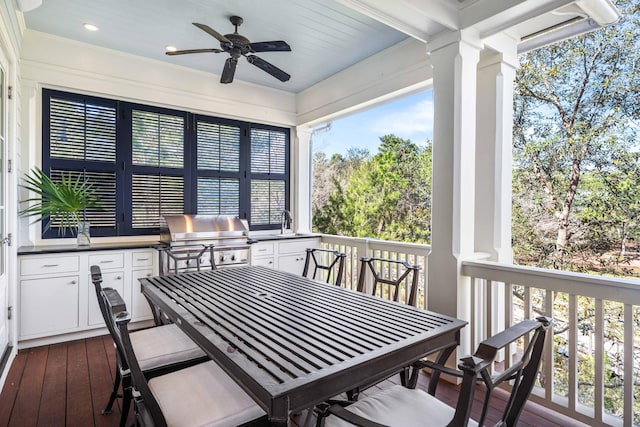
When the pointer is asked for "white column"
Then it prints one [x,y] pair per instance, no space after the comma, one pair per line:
[301,179]
[496,74]
[454,62]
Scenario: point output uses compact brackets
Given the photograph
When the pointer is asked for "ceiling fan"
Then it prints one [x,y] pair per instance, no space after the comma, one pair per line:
[237,45]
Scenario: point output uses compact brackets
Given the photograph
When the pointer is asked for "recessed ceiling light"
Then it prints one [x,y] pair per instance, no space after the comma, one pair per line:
[90,27]
[170,48]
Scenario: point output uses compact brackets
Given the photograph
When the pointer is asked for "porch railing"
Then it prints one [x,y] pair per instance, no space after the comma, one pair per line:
[355,248]
[591,369]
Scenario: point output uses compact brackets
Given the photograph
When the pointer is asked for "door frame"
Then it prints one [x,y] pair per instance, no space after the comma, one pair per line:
[9,61]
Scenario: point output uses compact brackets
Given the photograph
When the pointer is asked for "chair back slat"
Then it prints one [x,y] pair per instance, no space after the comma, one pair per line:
[391,272]
[329,261]
[522,373]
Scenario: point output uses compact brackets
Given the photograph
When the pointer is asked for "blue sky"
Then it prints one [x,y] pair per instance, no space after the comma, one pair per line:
[410,117]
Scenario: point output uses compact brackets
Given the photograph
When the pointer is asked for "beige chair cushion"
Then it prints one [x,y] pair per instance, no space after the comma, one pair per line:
[203,395]
[399,406]
[163,345]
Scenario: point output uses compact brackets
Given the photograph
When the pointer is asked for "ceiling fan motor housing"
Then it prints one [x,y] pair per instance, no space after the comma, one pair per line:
[240,45]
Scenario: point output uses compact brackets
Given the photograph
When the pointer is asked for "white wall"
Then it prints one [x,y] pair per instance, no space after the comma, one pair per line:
[57,63]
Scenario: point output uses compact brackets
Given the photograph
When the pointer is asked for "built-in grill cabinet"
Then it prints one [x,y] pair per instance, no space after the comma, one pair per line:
[203,242]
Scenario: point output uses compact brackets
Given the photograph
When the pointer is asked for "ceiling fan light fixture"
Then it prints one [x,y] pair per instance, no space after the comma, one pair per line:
[170,48]
[90,27]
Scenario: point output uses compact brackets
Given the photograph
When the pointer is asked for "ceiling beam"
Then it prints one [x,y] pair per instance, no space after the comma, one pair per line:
[417,18]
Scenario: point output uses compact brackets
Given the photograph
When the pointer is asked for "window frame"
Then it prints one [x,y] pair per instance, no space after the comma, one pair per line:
[124,168]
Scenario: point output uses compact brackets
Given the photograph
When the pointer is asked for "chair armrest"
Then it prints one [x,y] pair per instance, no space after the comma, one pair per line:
[420,364]
[489,347]
[115,300]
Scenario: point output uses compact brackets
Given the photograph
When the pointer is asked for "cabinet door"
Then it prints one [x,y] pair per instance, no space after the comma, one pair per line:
[48,306]
[140,309]
[292,263]
[110,279]
[264,261]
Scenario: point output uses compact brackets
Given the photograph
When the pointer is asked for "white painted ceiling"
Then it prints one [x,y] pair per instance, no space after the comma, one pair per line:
[326,36]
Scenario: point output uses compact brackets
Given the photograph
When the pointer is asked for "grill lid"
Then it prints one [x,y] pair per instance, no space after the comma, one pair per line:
[189,228]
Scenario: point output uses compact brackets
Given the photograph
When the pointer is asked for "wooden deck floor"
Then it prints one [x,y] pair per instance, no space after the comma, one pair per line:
[68,384]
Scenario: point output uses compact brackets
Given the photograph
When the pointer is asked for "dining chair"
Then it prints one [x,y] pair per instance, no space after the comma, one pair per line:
[320,259]
[408,406]
[390,272]
[198,395]
[160,349]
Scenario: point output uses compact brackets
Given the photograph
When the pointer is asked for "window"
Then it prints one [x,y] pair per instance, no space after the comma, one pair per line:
[218,165]
[80,140]
[146,162]
[268,175]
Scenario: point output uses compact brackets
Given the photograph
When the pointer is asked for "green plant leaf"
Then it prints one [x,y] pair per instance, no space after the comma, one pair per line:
[65,201]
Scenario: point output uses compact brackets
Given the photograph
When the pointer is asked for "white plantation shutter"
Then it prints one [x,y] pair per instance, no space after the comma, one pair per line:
[145,162]
[82,144]
[268,170]
[157,153]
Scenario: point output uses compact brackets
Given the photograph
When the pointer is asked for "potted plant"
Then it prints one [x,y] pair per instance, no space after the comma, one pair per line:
[65,201]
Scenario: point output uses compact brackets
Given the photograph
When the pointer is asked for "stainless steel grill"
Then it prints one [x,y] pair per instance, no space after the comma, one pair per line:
[203,242]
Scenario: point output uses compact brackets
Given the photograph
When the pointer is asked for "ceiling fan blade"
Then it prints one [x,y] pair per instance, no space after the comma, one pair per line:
[229,70]
[268,67]
[184,52]
[272,46]
[212,32]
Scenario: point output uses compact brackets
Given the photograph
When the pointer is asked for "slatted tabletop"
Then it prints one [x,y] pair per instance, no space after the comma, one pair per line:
[292,342]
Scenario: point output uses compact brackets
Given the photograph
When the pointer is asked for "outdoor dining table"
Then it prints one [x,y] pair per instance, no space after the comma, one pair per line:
[292,342]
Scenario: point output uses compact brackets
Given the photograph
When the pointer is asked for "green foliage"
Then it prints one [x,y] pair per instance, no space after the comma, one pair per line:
[385,196]
[64,201]
[576,149]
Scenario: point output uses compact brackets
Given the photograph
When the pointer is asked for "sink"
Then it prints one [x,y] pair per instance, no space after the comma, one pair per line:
[284,236]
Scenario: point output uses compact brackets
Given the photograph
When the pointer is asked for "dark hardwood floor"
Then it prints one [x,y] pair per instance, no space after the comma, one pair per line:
[68,384]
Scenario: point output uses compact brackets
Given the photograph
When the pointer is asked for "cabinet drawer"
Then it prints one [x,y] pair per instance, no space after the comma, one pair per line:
[299,246]
[261,249]
[142,259]
[49,265]
[107,260]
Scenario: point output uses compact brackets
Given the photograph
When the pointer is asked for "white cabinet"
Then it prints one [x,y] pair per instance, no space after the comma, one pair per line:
[48,305]
[49,295]
[112,267]
[262,254]
[287,254]
[142,266]
[292,254]
[57,300]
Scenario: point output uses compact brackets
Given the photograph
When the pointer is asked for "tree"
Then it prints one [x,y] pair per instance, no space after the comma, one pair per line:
[385,196]
[568,111]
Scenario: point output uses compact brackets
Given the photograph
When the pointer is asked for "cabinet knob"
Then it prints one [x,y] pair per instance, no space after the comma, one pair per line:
[73,282]
[270,262]
[119,278]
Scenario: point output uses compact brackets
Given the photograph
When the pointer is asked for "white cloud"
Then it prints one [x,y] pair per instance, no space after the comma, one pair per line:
[417,120]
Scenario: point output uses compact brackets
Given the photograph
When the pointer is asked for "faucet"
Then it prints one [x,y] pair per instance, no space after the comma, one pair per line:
[286,222]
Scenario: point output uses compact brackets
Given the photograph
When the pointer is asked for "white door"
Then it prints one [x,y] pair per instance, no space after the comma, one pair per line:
[4,282]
